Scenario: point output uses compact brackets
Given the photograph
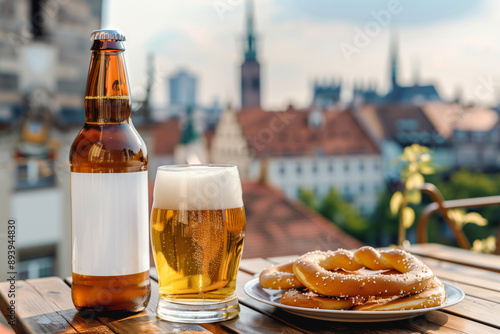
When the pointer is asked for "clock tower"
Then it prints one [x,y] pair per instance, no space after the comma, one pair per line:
[250,69]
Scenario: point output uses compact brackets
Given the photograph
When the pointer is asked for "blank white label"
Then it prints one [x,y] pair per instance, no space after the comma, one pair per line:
[109,214]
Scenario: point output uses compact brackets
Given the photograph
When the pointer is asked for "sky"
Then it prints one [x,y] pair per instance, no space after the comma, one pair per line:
[454,44]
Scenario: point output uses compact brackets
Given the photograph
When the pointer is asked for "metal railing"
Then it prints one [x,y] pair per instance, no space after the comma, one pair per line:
[442,206]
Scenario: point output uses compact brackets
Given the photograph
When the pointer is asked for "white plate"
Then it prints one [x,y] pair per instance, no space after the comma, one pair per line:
[272,297]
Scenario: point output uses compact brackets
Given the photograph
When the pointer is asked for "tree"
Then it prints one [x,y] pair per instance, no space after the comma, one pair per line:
[343,214]
[338,211]
[309,198]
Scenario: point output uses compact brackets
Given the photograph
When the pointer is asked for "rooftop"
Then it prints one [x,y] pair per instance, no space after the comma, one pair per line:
[277,226]
[304,132]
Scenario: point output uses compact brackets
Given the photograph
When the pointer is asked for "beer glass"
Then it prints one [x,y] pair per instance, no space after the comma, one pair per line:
[197,233]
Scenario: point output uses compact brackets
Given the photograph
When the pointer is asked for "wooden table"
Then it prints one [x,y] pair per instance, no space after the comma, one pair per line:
[44,306]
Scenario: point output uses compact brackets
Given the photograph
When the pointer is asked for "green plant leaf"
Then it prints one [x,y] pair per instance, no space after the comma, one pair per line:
[414,196]
[456,216]
[408,216]
[427,170]
[474,218]
[396,201]
[487,245]
[416,180]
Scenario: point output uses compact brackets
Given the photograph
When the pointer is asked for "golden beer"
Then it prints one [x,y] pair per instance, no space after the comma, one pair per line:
[197,252]
[197,233]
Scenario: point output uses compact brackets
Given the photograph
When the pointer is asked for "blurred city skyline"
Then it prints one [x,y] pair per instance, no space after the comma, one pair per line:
[451,44]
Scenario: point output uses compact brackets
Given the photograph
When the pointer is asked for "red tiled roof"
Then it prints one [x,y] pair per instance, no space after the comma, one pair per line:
[277,226]
[384,119]
[286,133]
[447,117]
[166,136]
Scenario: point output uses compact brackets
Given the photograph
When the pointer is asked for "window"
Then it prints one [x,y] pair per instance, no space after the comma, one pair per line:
[8,81]
[376,166]
[346,166]
[330,167]
[255,83]
[35,268]
[361,166]
[282,169]
[494,136]
[460,136]
[407,124]
[361,188]
[314,168]
[477,137]
[299,169]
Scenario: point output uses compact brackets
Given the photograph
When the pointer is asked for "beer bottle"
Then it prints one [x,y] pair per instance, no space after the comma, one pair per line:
[109,195]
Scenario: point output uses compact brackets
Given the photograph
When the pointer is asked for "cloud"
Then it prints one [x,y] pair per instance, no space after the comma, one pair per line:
[420,12]
[454,41]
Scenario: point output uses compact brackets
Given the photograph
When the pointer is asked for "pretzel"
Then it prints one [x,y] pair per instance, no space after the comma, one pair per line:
[314,271]
[279,276]
[300,298]
[434,295]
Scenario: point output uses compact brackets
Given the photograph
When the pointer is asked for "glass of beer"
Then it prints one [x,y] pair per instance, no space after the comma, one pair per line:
[197,232]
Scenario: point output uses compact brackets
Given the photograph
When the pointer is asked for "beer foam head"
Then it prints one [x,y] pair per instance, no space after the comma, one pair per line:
[197,187]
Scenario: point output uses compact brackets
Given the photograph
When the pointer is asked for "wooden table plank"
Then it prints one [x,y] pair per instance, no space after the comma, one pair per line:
[476,314]
[33,313]
[477,309]
[463,274]
[478,292]
[251,321]
[458,256]
[58,295]
[455,323]
[429,322]
[146,322]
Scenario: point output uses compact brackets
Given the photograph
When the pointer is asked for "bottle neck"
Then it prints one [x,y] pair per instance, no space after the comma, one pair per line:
[107,98]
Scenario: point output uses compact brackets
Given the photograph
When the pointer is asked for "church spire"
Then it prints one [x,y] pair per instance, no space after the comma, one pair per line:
[189,134]
[250,69]
[394,61]
[250,46]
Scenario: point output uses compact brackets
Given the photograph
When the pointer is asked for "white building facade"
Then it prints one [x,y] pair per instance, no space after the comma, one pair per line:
[357,178]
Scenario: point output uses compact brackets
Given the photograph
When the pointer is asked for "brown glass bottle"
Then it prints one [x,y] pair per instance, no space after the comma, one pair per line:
[108,158]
